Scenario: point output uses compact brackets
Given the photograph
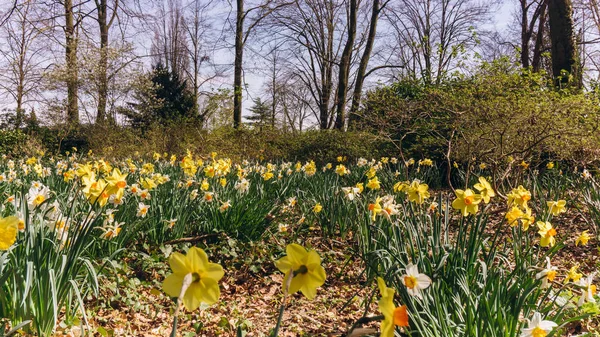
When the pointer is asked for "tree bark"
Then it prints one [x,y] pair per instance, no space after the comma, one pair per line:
[539,39]
[102,8]
[237,75]
[71,63]
[340,121]
[525,35]
[364,61]
[564,53]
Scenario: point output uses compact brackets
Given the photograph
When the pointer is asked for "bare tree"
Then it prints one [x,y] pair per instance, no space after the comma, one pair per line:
[71,62]
[169,46]
[531,13]
[202,69]
[22,52]
[105,17]
[254,15]
[340,121]
[376,10]
[312,30]
[432,35]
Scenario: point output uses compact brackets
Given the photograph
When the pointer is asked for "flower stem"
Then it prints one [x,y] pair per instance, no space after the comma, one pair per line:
[187,281]
[287,282]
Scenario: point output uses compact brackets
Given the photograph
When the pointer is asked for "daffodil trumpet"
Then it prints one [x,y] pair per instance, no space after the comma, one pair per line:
[187,281]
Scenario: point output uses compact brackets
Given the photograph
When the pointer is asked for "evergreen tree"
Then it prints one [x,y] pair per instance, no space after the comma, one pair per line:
[260,114]
[162,97]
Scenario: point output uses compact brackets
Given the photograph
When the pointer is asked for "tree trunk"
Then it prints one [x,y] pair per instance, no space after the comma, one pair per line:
[340,121]
[102,8]
[71,62]
[525,35]
[364,61]
[564,53]
[539,39]
[239,54]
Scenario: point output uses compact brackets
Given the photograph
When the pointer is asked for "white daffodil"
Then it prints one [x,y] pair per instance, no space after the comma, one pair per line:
[414,281]
[538,327]
[588,291]
[547,275]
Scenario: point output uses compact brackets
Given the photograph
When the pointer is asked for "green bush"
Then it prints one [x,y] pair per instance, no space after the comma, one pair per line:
[12,142]
[500,112]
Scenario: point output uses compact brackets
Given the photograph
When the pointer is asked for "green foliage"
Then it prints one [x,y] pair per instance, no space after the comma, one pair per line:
[12,142]
[260,114]
[165,98]
[498,112]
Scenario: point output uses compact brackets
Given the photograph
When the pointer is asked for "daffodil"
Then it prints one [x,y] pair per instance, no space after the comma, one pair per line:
[341,170]
[516,216]
[547,275]
[375,208]
[400,186]
[573,275]
[547,233]
[8,231]
[414,281]
[466,201]
[116,182]
[589,290]
[485,190]
[557,207]
[205,275]
[538,327]
[317,208]
[392,316]
[373,184]
[142,210]
[519,196]
[583,238]
[304,267]
[418,192]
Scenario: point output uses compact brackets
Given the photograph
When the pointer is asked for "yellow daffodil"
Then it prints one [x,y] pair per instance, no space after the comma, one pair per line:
[341,170]
[417,192]
[317,208]
[304,267]
[205,275]
[116,182]
[547,233]
[400,186]
[557,207]
[519,196]
[583,238]
[516,216]
[371,172]
[375,209]
[573,275]
[8,231]
[392,316]
[466,201]
[373,184]
[485,189]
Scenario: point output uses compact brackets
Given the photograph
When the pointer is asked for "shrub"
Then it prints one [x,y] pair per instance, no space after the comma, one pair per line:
[498,113]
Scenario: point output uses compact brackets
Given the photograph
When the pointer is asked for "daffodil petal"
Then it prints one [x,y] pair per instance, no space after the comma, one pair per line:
[179,264]
[213,271]
[197,259]
[172,285]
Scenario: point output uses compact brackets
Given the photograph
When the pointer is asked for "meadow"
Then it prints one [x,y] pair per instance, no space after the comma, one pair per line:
[187,244]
